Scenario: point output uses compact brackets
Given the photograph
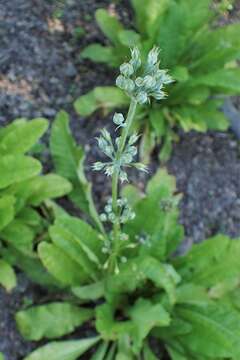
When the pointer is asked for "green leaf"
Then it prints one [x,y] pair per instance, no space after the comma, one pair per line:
[100,352]
[148,354]
[51,321]
[50,186]
[6,210]
[73,247]
[129,38]
[63,350]
[158,122]
[215,331]
[22,136]
[67,271]
[7,276]
[223,80]
[109,25]
[101,54]
[107,326]
[156,218]
[148,14]
[145,316]
[132,193]
[180,73]
[175,355]
[89,292]
[162,275]
[69,162]
[1,356]
[211,263]
[19,236]
[107,98]
[16,168]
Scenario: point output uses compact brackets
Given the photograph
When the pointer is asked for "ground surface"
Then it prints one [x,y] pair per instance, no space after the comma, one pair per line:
[41,73]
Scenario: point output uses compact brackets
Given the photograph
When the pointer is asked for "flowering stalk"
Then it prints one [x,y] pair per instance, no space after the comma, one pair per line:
[123,151]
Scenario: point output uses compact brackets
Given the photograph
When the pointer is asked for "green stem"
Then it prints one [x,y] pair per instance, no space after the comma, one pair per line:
[115,177]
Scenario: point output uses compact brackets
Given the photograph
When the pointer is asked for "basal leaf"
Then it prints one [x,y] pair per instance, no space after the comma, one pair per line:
[51,320]
[101,54]
[73,247]
[129,38]
[7,276]
[69,162]
[106,98]
[109,25]
[20,236]
[63,350]
[6,210]
[67,271]
[89,292]
[100,352]
[22,136]
[16,168]
[215,331]
[49,186]
[145,316]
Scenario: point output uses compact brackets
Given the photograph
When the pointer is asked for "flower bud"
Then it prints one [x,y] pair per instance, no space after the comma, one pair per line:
[136,58]
[126,69]
[97,166]
[118,119]
[149,82]
[142,97]
[153,57]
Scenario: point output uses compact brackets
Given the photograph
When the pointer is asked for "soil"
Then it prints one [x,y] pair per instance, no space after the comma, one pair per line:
[41,73]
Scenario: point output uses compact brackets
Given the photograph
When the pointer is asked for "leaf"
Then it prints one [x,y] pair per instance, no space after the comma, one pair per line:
[50,186]
[6,210]
[107,326]
[89,292]
[129,38]
[19,236]
[132,193]
[74,249]
[145,316]
[51,321]
[67,271]
[175,355]
[211,263]
[158,122]
[100,352]
[68,161]
[7,276]
[101,54]
[215,331]
[1,356]
[222,80]
[148,14]
[109,25]
[21,137]
[148,354]
[162,275]
[156,220]
[16,168]
[63,350]
[107,98]
[180,73]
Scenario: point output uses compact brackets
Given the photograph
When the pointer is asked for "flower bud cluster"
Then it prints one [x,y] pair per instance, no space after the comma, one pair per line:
[105,143]
[146,85]
[124,210]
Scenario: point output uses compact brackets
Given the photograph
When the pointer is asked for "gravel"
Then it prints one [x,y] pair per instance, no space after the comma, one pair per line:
[41,73]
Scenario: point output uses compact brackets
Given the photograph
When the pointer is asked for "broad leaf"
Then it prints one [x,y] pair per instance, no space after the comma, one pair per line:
[106,98]
[6,210]
[63,350]
[21,137]
[89,292]
[51,321]
[16,168]
[109,25]
[69,161]
[20,236]
[7,276]
[145,316]
[101,54]
[215,331]
[67,271]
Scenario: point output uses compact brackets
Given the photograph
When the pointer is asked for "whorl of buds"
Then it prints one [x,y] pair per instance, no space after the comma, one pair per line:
[149,83]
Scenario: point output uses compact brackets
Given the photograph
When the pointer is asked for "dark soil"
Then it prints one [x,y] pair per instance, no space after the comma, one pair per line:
[41,73]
